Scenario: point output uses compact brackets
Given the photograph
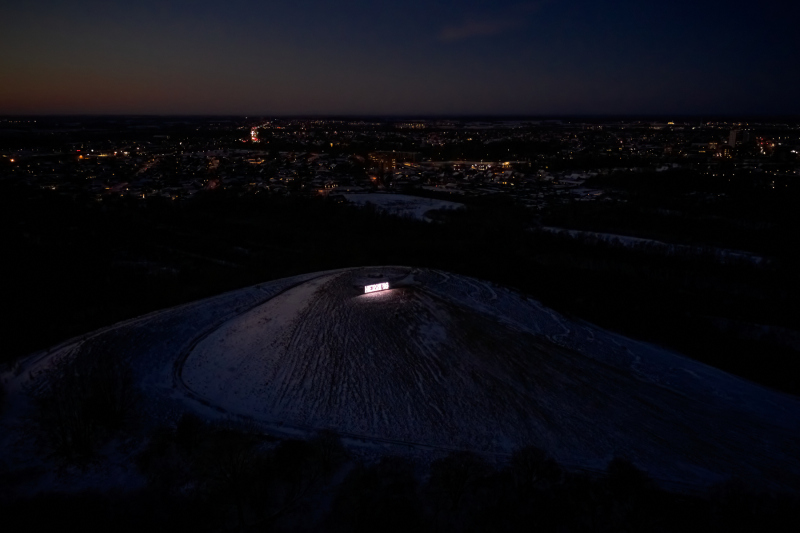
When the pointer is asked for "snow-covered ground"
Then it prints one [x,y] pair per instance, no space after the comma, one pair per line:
[402,204]
[436,363]
[627,241]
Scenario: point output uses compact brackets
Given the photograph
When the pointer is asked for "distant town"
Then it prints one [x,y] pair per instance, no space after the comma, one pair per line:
[537,163]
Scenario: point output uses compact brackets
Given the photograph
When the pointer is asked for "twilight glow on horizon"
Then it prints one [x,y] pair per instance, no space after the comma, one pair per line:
[412,57]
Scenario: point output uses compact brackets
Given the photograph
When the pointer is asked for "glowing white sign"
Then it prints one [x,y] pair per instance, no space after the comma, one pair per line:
[378,287]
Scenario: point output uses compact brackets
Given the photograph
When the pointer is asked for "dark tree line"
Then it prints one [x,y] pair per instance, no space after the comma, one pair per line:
[84,401]
[206,477]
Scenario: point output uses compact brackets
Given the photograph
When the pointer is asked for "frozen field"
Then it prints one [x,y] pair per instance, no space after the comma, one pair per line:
[402,204]
[442,362]
[722,254]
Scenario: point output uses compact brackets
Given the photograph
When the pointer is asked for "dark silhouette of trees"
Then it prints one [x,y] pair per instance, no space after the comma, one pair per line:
[532,469]
[86,399]
[205,477]
[2,397]
[632,505]
[455,493]
[245,481]
[380,497]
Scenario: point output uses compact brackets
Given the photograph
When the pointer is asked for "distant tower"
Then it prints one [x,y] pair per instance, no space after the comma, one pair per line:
[732,138]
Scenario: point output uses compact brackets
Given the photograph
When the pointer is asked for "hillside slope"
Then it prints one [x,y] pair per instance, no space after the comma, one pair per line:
[442,362]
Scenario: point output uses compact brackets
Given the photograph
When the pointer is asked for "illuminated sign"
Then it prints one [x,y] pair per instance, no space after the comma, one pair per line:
[377,287]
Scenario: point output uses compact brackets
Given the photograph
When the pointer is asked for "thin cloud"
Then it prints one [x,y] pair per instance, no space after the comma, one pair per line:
[471,29]
[519,16]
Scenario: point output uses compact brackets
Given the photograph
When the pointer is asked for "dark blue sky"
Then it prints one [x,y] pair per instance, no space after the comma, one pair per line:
[411,57]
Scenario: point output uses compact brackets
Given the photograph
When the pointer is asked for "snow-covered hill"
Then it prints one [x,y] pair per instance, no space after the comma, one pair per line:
[441,362]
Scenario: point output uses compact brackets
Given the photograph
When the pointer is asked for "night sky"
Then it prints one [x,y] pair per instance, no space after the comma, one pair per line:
[409,57]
